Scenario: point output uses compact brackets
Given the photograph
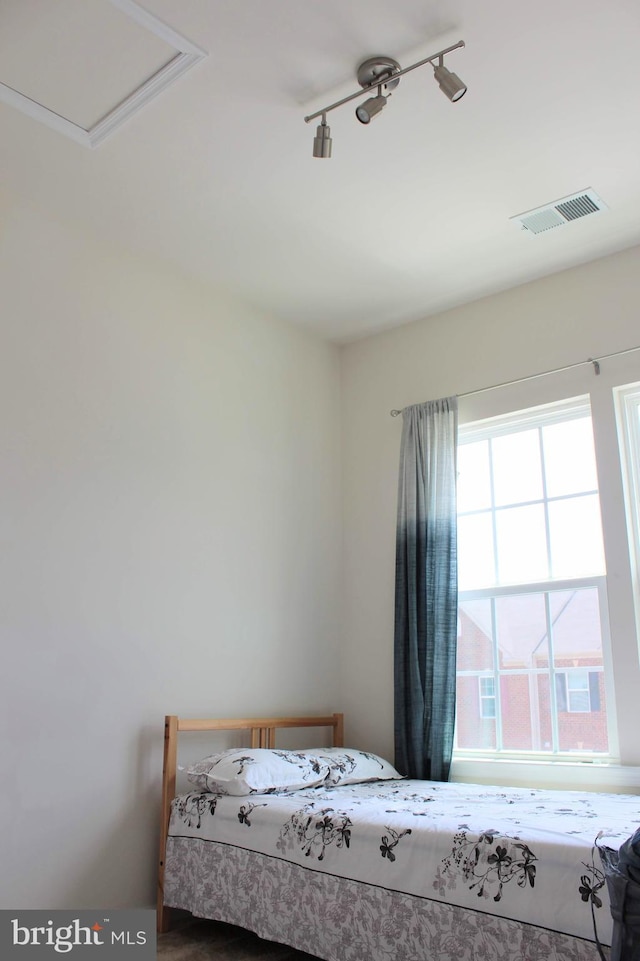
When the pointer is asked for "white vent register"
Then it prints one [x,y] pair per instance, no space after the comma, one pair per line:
[560,212]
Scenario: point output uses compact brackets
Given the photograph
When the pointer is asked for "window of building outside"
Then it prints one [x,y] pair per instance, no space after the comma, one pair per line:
[487,697]
[532,629]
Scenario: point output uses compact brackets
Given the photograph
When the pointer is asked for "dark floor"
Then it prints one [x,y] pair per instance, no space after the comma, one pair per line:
[194,939]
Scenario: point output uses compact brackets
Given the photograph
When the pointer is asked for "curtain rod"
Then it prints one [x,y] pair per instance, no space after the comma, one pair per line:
[545,373]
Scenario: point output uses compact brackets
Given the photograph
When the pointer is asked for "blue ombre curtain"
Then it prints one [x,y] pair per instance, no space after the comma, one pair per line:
[426,591]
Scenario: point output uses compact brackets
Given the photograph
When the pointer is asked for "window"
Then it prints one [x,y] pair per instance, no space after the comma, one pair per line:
[487,697]
[578,691]
[532,631]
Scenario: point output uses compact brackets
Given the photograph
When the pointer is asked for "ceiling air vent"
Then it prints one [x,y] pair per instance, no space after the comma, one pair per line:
[560,212]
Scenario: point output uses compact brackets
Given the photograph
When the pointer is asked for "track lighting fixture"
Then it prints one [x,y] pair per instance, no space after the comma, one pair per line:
[384,74]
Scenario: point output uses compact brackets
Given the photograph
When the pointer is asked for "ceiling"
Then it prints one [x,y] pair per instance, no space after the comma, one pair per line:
[411,214]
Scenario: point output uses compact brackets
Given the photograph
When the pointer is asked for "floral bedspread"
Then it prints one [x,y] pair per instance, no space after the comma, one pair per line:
[506,855]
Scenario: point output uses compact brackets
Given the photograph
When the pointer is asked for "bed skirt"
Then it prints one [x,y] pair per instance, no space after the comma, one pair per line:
[344,920]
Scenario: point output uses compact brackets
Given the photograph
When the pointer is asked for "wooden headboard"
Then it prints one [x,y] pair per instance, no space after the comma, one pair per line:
[262,731]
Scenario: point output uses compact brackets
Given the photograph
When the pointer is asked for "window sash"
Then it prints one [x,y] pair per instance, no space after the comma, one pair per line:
[545,557]
[550,671]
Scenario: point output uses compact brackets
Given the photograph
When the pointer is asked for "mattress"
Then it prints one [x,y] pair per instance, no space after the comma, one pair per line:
[403,869]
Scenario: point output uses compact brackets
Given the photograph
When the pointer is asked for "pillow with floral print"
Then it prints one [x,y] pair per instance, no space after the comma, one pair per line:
[349,766]
[242,771]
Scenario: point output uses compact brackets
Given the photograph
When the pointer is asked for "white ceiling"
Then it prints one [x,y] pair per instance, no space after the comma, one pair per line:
[410,216]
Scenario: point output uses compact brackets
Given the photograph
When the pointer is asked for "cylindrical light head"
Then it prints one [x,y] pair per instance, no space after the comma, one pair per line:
[370,108]
[450,83]
[322,141]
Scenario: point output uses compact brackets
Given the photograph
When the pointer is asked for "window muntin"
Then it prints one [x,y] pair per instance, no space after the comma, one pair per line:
[531,585]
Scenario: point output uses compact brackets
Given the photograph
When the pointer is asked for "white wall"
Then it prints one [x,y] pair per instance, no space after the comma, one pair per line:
[170,537]
[557,321]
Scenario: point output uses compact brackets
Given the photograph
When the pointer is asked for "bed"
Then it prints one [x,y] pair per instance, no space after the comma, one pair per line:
[338,856]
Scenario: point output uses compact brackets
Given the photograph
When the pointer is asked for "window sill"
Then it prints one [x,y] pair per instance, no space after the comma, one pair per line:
[609,777]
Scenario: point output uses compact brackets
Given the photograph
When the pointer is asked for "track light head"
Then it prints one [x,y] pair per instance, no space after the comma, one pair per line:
[449,83]
[322,141]
[366,111]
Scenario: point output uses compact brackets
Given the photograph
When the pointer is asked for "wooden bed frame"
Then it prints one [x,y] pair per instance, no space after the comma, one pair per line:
[262,731]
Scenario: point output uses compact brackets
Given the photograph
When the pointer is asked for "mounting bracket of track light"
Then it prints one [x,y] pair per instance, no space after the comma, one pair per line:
[383,74]
[379,70]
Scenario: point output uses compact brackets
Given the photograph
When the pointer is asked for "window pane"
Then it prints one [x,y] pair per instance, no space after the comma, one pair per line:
[526,712]
[474,486]
[575,620]
[577,643]
[522,545]
[578,691]
[487,687]
[521,630]
[578,681]
[475,647]
[517,473]
[582,724]
[578,702]
[475,552]
[472,730]
[544,715]
[569,459]
[576,537]
[488,707]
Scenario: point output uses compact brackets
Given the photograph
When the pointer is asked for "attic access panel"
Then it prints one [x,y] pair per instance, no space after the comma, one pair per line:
[83,67]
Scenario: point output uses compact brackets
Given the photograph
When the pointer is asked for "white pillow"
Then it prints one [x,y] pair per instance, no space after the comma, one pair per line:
[349,766]
[242,771]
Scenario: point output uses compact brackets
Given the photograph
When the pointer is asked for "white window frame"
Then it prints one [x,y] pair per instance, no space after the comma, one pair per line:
[627,402]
